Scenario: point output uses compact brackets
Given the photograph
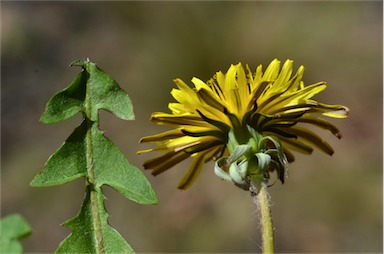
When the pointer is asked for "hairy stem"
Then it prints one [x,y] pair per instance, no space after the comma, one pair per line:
[262,201]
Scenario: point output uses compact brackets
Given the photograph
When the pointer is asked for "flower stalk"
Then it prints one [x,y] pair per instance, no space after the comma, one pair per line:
[267,234]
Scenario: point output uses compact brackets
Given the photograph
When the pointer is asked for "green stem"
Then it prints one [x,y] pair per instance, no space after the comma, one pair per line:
[262,200]
[90,181]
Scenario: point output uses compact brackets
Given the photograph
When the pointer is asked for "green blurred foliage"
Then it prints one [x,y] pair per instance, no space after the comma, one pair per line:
[12,228]
[328,204]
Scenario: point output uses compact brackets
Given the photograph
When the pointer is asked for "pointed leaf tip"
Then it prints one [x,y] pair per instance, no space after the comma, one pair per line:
[80,62]
[67,102]
[106,94]
[67,163]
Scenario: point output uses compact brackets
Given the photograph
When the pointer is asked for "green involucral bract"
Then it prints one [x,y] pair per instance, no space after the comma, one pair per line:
[88,153]
[249,165]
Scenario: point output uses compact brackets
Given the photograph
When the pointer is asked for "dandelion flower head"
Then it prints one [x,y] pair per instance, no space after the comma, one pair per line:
[231,106]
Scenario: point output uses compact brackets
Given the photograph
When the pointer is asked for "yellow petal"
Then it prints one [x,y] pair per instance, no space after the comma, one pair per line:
[197,164]
[311,137]
[165,161]
[295,144]
[300,95]
[284,76]
[176,133]
[207,97]
[335,111]
[199,84]
[272,71]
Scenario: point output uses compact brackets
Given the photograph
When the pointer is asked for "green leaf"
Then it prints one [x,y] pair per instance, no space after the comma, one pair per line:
[68,102]
[93,89]
[93,234]
[67,163]
[112,168]
[110,165]
[12,228]
[106,94]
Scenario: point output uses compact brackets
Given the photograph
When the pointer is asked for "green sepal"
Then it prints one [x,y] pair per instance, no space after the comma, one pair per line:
[91,83]
[83,238]
[239,151]
[234,172]
[256,176]
[67,163]
[222,162]
[279,148]
[13,227]
[264,161]
[232,141]
[243,168]
[113,169]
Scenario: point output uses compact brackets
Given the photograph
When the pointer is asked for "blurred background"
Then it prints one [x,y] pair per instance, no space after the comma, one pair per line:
[327,205]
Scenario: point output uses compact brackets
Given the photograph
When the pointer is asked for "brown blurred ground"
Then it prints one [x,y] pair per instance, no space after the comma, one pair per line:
[328,204]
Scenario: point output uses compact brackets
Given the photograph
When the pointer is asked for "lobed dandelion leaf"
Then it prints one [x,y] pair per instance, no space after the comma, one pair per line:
[89,154]
[92,234]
